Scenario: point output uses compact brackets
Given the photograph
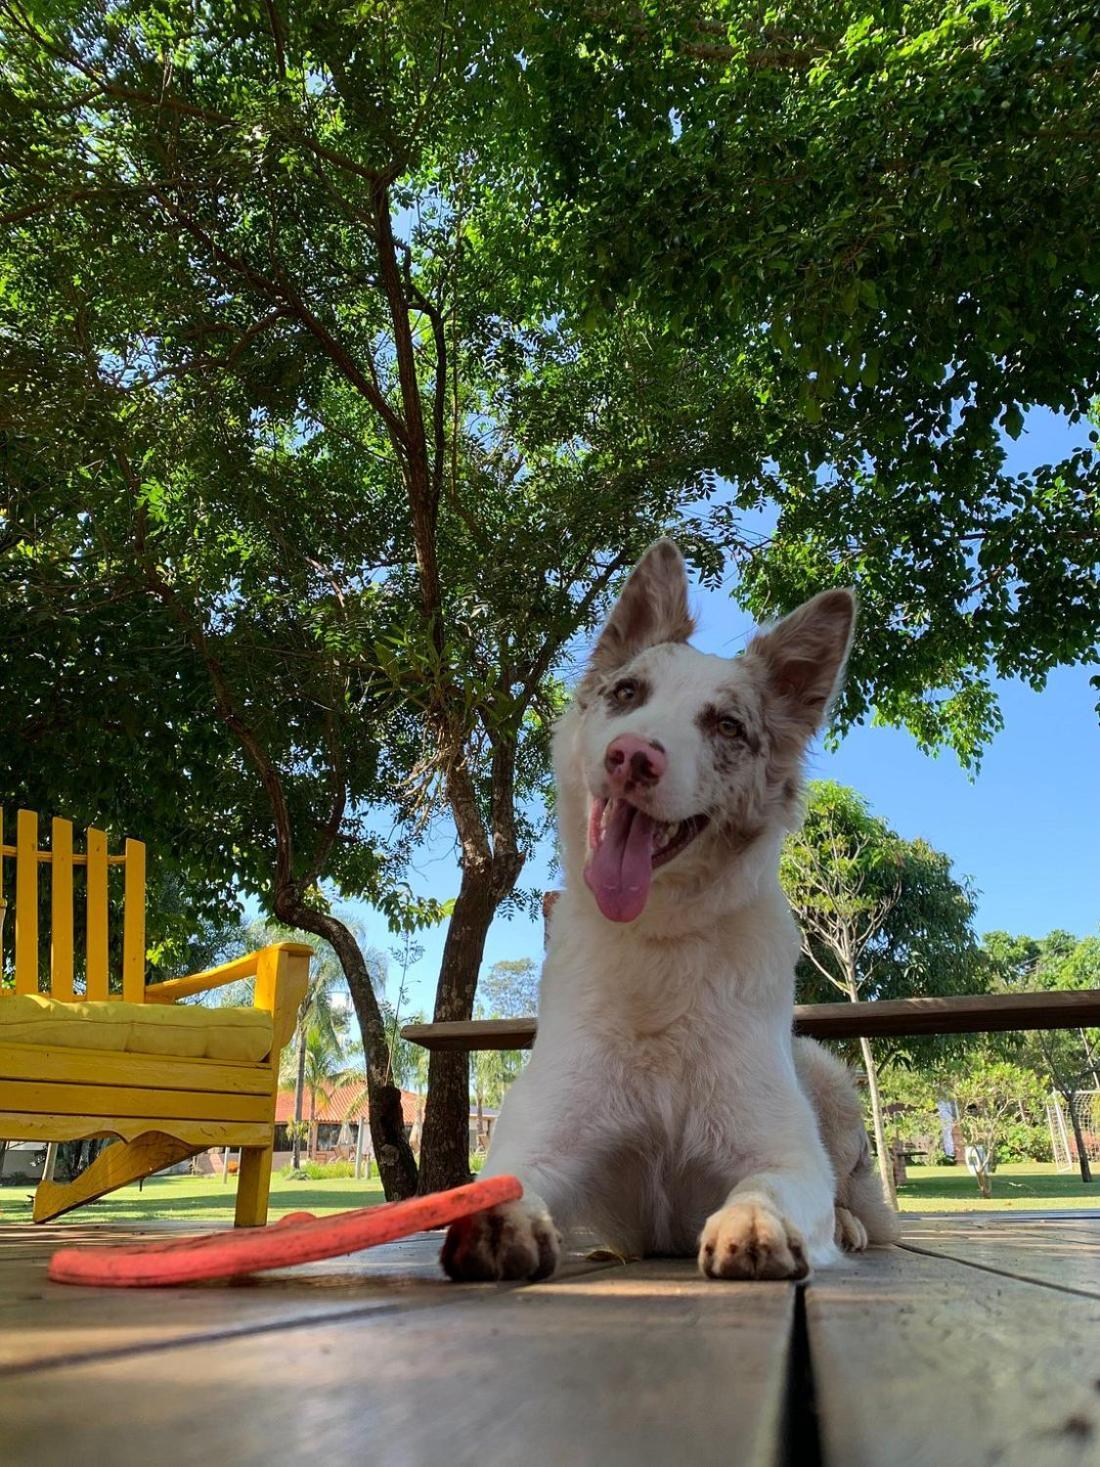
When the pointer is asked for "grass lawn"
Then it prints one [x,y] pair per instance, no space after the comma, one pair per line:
[198,1200]
[1031,1186]
[1026,1186]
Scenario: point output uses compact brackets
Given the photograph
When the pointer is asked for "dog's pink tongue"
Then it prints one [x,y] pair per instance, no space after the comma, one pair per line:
[620,870]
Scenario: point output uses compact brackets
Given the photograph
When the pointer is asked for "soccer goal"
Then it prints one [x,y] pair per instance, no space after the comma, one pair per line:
[1063,1139]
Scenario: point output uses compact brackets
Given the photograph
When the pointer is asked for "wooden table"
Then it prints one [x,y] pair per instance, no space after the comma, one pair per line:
[977,1341]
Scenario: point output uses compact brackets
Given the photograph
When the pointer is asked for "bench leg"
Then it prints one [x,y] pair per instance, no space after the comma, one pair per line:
[115,1166]
[253,1185]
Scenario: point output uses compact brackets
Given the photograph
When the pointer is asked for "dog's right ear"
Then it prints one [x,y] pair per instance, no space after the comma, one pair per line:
[652,608]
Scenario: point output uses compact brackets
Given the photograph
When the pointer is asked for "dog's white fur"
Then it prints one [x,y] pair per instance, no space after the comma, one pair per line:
[665,1105]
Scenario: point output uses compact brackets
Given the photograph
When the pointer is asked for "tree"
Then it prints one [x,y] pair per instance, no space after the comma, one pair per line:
[986,1090]
[880,917]
[432,489]
[510,989]
[324,1065]
[491,1073]
[1068,1058]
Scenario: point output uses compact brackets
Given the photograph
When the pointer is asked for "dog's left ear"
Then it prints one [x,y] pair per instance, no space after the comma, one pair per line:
[652,608]
[804,657]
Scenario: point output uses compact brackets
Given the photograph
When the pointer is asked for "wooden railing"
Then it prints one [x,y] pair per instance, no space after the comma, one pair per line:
[960,1014]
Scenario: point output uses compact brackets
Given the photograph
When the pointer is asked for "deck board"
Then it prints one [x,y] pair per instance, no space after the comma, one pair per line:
[1061,1253]
[43,1324]
[922,1360]
[917,1358]
[647,1363]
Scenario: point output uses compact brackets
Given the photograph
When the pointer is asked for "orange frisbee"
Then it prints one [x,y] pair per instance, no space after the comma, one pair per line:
[297,1238]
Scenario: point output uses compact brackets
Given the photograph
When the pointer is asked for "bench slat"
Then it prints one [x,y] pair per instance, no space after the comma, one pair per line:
[970,1013]
[147,1071]
[48,1098]
[61,910]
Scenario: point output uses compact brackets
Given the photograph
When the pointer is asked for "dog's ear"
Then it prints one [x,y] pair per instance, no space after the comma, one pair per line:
[803,658]
[652,608]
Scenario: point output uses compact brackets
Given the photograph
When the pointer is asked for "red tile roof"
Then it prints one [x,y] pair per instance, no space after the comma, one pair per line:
[343,1103]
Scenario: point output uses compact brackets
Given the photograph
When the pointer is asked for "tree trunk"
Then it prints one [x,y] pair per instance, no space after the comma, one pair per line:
[396,1163]
[445,1142]
[1078,1136]
[885,1160]
[299,1096]
[312,1122]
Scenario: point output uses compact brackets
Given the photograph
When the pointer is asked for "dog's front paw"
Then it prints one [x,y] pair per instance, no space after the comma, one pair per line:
[750,1240]
[511,1241]
[849,1233]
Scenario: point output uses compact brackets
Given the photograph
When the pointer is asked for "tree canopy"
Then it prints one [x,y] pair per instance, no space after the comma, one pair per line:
[885,913]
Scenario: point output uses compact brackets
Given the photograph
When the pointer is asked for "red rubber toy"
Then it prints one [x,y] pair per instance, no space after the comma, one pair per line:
[298,1238]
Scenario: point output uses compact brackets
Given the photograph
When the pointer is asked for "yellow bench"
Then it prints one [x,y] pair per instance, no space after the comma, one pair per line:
[167,1080]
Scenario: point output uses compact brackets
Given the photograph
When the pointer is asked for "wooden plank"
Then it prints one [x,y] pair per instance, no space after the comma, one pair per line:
[473,1034]
[958,1014]
[1061,1253]
[114,1167]
[3,888]
[96,946]
[26,902]
[61,910]
[148,1071]
[926,1361]
[44,1324]
[33,1126]
[48,1098]
[133,924]
[648,1364]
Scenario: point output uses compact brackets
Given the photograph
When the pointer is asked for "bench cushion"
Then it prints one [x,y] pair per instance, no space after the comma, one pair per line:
[186,1031]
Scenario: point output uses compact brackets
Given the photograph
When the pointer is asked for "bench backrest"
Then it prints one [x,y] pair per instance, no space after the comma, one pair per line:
[28,860]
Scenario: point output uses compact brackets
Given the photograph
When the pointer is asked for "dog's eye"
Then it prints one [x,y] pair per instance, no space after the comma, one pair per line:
[729,728]
[625,692]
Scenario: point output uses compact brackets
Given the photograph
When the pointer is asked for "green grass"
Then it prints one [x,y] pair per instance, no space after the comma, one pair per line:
[198,1199]
[1030,1186]
[1025,1186]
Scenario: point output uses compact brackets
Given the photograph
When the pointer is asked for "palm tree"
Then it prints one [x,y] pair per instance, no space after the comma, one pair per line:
[325,1013]
[324,1067]
[318,1031]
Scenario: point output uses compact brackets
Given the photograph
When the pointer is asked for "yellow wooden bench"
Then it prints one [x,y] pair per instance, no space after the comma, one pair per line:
[94,1058]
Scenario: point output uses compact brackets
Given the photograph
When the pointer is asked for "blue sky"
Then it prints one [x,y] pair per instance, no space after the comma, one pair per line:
[1026,829]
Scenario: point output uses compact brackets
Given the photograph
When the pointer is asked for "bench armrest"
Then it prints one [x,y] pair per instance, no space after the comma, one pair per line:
[281,972]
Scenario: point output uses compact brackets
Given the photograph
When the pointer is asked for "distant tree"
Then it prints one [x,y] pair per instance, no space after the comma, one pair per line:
[1069,1059]
[491,1072]
[986,1090]
[510,989]
[880,917]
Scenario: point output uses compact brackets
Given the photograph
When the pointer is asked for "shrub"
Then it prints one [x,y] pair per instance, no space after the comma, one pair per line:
[477,1161]
[318,1171]
[1020,1142]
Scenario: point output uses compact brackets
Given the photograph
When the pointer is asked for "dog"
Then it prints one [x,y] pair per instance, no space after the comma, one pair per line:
[666,1105]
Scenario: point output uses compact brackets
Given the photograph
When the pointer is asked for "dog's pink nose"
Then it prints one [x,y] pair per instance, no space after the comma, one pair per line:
[633,761]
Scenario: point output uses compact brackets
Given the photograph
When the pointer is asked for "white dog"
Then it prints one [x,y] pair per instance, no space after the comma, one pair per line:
[666,1105]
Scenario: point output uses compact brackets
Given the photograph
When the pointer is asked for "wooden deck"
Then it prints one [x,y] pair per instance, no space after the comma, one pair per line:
[977,1341]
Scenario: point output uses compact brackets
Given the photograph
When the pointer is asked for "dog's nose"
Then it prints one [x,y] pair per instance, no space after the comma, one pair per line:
[631,761]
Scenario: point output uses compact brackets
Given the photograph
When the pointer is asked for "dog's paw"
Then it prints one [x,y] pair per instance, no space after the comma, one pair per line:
[511,1241]
[750,1240]
[849,1233]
